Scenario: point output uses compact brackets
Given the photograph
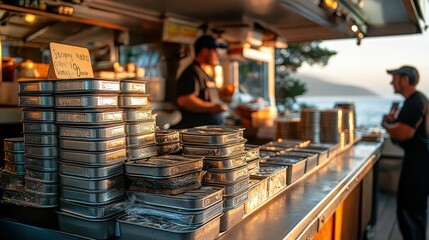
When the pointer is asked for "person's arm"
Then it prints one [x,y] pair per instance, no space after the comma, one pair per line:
[399,131]
[192,103]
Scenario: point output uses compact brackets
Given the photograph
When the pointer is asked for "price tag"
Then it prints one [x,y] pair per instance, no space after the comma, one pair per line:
[69,62]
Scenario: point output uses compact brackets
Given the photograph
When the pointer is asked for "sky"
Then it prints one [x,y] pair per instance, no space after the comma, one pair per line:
[366,65]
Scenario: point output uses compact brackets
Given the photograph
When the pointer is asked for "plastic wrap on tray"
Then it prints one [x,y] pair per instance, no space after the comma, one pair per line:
[214,151]
[276,178]
[163,136]
[172,185]
[258,193]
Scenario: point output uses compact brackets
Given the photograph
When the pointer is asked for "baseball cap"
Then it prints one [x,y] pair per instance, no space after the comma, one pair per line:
[410,71]
[207,41]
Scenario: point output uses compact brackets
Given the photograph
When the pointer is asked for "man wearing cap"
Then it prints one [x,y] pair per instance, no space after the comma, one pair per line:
[198,97]
[410,129]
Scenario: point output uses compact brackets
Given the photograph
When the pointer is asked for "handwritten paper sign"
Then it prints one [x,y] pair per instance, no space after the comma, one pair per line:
[69,62]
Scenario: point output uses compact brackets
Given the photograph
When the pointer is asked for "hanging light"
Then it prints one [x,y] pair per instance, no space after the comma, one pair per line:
[354,28]
[330,5]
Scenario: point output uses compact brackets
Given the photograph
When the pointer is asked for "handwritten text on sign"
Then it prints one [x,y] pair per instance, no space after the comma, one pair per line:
[71,62]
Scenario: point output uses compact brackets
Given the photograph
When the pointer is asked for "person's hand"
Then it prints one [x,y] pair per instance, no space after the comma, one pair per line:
[387,118]
[220,107]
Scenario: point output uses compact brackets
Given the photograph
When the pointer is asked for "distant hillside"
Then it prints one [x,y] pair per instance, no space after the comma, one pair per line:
[319,87]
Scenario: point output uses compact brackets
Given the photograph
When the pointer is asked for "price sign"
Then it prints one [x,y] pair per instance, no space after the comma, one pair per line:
[69,62]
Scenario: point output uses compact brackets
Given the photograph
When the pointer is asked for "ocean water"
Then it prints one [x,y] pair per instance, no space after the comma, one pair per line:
[369,110]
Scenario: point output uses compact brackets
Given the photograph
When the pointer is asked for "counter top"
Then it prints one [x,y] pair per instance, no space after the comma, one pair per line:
[304,205]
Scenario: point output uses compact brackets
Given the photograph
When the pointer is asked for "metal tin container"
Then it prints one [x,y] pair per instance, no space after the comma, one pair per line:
[223,176]
[90,117]
[141,140]
[133,86]
[87,85]
[100,132]
[42,187]
[235,201]
[321,153]
[258,194]
[136,228]
[92,172]
[16,192]
[89,227]
[14,168]
[35,86]
[140,127]
[92,145]
[91,197]
[216,151]
[231,217]
[203,136]
[41,199]
[42,176]
[39,128]
[136,115]
[37,101]
[87,101]
[41,139]
[168,148]
[10,179]
[296,166]
[164,136]
[141,152]
[92,184]
[225,162]
[253,164]
[14,156]
[238,130]
[94,212]
[41,151]
[252,152]
[134,100]
[276,178]
[311,158]
[38,115]
[93,158]
[14,144]
[164,166]
[232,189]
[197,199]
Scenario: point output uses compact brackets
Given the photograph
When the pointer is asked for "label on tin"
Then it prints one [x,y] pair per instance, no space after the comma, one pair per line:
[68,102]
[137,87]
[107,101]
[69,62]
[110,86]
[140,101]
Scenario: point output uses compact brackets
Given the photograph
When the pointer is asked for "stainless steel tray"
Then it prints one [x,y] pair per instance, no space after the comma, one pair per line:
[91,117]
[134,228]
[42,176]
[41,151]
[14,168]
[235,201]
[93,158]
[237,129]
[277,178]
[134,100]
[37,101]
[14,157]
[140,127]
[135,115]
[141,140]
[92,172]
[197,199]
[91,197]
[141,152]
[41,199]
[88,227]
[41,139]
[87,101]
[258,194]
[166,136]
[42,187]
[168,148]
[216,151]
[38,115]
[231,217]
[224,176]
[100,132]
[206,136]
[252,151]
[86,85]
[92,145]
[39,128]
[92,184]
[253,164]
[310,158]
[164,166]
[14,144]
[322,155]
[35,86]
[133,86]
[226,162]
[94,212]
[232,189]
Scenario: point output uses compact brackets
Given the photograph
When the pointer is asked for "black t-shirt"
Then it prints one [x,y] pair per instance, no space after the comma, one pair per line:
[415,113]
[195,81]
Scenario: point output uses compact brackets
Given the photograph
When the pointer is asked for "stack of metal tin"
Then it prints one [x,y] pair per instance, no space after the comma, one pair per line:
[225,161]
[331,123]
[252,157]
[167,141]
[41,142]
[12,176]
[92,153]
[309,126]
[287,128]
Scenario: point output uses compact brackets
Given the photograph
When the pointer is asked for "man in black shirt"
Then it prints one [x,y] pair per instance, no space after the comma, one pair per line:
[410,129]
[198,97]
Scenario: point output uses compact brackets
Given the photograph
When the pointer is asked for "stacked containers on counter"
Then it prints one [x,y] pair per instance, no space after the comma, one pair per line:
[225,162]
[12,176]
[139,120]
[92,155]
[167,141]
[41,142]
